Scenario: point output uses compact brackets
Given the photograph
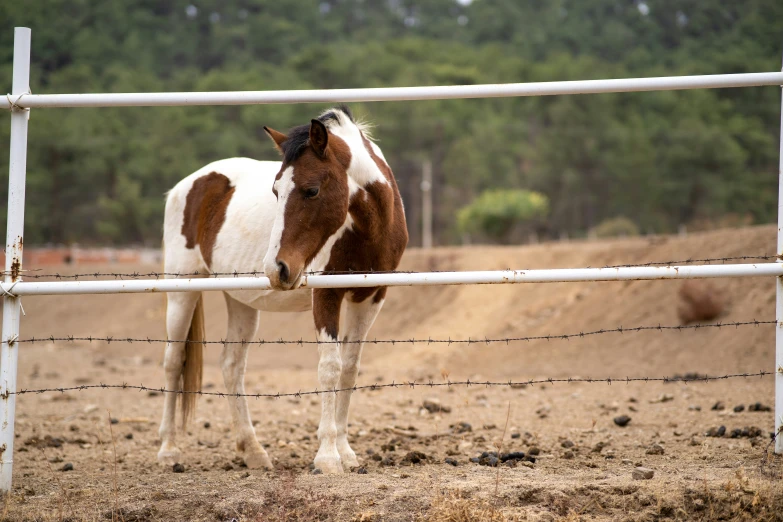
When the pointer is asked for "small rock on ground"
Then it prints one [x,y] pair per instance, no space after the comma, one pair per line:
[387,461]
[178,468]
[622,420]
[414,457]
[435,406]
[461,427]
[655,449]
[642,474]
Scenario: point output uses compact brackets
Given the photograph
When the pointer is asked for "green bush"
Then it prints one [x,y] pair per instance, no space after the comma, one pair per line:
[497,213]
[616,227]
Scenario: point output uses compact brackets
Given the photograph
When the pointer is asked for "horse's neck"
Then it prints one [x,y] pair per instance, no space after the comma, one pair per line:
[377,234]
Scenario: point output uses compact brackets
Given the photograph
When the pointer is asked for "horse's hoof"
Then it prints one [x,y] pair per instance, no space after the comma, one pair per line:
[329,466]
[349,461]
[258,461]
[169,456]
[347,455]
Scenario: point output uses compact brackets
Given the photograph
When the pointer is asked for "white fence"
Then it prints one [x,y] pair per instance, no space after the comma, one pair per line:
[20,101]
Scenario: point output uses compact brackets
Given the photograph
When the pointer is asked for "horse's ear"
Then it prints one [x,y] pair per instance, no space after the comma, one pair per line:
[319,137]
[277,137]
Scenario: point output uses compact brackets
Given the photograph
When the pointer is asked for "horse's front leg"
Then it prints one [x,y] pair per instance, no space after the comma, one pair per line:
[359,318]
[326,313]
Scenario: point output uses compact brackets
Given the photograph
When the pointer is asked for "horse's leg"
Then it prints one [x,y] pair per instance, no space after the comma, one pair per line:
[326,312]
[242,326]
[359,319]
[179,314]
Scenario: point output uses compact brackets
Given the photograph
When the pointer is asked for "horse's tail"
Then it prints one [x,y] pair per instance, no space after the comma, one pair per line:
[193,368]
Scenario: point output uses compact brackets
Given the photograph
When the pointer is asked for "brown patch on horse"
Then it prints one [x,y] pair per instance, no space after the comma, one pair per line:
[205,212]
[326,309]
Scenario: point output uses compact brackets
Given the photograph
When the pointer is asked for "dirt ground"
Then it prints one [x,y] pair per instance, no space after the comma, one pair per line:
[585,463]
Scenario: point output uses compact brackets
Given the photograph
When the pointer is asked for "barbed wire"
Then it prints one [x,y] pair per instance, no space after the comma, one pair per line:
[260,273]
[407,384]
[469,340]
[703,260]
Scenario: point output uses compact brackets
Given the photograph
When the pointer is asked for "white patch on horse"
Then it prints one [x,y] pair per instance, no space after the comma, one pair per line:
[284,186]
[377,150]
[362,170]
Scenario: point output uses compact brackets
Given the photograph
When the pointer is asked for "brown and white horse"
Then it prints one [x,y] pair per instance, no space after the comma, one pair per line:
[333,205]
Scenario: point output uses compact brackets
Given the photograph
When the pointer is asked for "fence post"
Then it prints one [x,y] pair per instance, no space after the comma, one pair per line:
[426,204]
[13,253]
[779,305]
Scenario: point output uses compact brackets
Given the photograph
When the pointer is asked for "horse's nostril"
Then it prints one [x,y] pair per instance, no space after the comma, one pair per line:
[283,268]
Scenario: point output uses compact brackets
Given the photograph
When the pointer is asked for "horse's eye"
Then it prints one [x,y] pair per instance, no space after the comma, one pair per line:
[311,192]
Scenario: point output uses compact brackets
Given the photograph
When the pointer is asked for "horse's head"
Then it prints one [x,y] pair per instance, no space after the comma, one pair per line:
[312,199]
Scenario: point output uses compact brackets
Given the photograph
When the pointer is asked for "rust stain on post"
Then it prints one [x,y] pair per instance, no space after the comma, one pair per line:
[16,268]
[16,263]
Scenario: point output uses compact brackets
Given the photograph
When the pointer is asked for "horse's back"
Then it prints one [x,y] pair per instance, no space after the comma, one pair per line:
[215,200]
[239,171]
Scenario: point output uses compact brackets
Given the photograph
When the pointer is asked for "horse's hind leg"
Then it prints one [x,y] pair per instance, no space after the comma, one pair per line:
[242,326]
[359,318]
[179,314]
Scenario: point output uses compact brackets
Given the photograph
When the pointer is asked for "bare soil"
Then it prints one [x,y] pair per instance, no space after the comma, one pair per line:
[115,475]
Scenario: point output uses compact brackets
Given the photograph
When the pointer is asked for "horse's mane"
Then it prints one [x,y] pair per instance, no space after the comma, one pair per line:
[298,137]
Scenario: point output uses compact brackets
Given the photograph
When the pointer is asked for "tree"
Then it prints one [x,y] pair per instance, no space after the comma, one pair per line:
[497,214]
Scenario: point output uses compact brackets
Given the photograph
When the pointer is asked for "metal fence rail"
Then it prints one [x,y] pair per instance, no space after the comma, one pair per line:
[439,92]
[21,100]
[370,280]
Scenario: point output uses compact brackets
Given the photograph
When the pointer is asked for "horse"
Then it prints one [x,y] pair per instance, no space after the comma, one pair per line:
[331,204]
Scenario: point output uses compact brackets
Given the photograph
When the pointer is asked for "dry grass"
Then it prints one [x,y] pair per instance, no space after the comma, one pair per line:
[456,507]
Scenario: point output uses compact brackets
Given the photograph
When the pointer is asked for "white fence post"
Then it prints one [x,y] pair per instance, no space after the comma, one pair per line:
[779,306]
[13,254]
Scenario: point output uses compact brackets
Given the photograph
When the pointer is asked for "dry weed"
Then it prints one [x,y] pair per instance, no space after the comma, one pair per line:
[455,507]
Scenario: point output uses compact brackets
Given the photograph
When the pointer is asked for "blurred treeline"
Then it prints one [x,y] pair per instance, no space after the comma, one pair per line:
[698,158]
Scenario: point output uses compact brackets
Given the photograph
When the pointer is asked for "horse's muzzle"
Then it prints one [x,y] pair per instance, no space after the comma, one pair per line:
[281,278]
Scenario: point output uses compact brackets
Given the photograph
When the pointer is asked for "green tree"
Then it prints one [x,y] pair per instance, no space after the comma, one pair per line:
[498,213]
